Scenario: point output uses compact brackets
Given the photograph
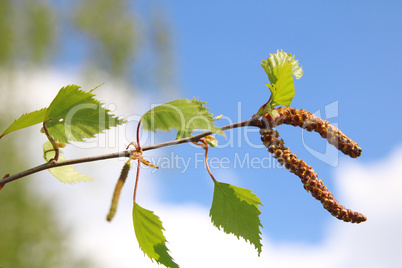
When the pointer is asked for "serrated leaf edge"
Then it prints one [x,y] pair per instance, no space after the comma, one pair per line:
[242,218]
[135,210]
[22,117]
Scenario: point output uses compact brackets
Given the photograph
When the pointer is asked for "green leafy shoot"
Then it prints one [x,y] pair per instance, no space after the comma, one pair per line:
[26,120]
[181,114]
[236,210]
[64,173]
[74,115]
[279,59]
[283,90]
[280,68]
[148,230]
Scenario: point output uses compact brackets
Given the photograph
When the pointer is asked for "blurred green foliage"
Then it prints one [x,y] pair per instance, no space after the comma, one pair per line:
[111,26]
[30,236]
[107,35]
[115,39]
[27,30]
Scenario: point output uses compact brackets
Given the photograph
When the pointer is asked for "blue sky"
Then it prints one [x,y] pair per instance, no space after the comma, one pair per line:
[351,56]
[350,52]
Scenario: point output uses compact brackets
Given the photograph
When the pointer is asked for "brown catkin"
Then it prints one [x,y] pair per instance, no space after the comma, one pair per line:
[117,190]
[310,122]
[308,176]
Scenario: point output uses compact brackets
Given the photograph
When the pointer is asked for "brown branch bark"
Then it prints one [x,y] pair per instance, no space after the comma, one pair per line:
[250,122]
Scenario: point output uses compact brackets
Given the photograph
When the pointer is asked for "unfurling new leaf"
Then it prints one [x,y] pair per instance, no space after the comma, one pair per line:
[64,173]
[283,90]
[279,59]
[181,114]
[280,68]
[236,210]
[148,230]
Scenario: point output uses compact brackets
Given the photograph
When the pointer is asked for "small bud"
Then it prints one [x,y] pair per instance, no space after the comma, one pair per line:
[218,117]
[60,144]
[147,163]
[211,140]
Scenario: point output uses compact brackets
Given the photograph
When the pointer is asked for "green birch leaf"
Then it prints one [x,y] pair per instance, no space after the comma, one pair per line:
[236,210]
[26,120]
[280,68]
[148,230]
[279,59]
[64,173]
[181,114]
[283,90]
[74,115]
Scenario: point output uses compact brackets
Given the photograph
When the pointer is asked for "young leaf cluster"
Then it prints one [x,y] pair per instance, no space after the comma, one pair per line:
[280,68]
[73,115]
[233,209]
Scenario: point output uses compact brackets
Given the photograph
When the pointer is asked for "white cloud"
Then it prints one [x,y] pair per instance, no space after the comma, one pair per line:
[373,188]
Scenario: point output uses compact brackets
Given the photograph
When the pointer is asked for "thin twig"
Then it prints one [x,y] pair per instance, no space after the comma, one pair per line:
[206,163]
[55,147]
[250,122]
[137,176]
